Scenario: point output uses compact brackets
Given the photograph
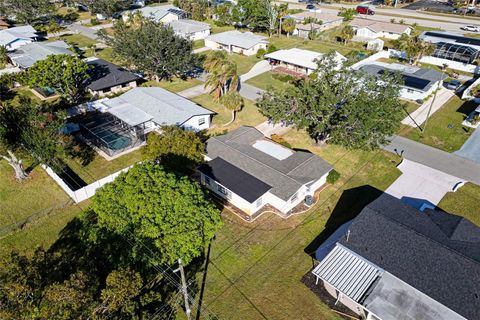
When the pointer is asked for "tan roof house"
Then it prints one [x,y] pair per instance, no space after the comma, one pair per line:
[366,29]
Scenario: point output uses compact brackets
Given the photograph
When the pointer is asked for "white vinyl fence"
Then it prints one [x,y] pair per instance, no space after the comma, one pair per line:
[455,65]
[85,192]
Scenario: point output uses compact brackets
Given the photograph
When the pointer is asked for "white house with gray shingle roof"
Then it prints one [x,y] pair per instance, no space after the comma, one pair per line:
[25,56]
[251,171]
[190,29]
[366,29]
[163,13]
[16,37]
[234,41]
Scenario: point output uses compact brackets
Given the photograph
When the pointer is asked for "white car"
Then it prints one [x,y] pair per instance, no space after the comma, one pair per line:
[470,28]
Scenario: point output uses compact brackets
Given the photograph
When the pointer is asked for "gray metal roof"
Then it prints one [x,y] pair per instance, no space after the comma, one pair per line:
[187,26]
[285,176]
[27,55]
[164,107]
[347,272]
[10,35]
[244,40]
[435,252]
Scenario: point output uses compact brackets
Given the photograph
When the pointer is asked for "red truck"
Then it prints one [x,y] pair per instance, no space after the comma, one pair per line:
[365,10]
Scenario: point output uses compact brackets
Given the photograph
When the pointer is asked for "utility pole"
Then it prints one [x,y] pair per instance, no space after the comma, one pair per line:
[188,311]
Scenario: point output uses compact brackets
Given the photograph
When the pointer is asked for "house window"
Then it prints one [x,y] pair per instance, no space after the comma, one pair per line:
[224,191]
[207,180]
[294,197]
[259,202]
[201,121]
[409,90]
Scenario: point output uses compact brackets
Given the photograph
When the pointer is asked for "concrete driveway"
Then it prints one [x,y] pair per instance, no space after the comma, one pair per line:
[421,186]
[419,116]
[471,148]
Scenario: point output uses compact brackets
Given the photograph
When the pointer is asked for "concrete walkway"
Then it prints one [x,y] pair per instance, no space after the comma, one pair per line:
[449,163]
[268,129]
[419,116]
[193,91]
[421,186]
[259,68]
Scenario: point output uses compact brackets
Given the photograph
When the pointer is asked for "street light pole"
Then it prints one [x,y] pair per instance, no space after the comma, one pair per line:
[433,100]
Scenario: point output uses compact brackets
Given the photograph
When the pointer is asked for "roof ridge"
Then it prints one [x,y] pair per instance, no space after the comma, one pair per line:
[424,236]
[303,163]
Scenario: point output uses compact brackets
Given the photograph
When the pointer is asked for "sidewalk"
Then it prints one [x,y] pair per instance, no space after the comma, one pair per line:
[259,68]
[419,116]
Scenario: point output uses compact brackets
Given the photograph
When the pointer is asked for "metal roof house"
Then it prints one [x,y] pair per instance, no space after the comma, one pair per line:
[162,13]
[27,55]
[299,61]
[251,171]
[16,37]
[418,83]
[190,29]
[453,47]
[394,262]
[106,78]
[366,29]
[234,41]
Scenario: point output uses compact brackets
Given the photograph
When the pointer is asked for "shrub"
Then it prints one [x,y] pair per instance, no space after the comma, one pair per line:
[94,22]
[271,48]
[280,140]
[260,53]
[333,176]
[283,77]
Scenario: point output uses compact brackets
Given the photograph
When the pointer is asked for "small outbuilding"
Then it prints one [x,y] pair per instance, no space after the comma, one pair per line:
[375,45]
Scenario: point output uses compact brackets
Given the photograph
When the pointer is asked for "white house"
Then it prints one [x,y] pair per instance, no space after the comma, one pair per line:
[418,83]
[366,29]
[395,262]
[15,37]
[25,56]
[245,43]
[251,171]
[190,29]
[318,22]
[300,61]
[162,13]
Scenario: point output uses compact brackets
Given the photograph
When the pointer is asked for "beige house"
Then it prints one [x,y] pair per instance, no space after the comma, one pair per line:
[318,22]
[366,29]
[245,43]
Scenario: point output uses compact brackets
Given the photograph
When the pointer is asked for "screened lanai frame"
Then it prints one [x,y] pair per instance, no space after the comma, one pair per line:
[455,52]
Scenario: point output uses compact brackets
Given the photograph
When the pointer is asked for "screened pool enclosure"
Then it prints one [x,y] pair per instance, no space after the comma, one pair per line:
[456,52]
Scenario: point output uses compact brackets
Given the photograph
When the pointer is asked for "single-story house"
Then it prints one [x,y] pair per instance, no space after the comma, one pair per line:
[299,61]
[395,262]
[369,29]
[190,29]
[163,13]
[451,46]
[418,84]
[251,171]
[106,77]
[319,22]
[16,37]
[27,55]
[234,41]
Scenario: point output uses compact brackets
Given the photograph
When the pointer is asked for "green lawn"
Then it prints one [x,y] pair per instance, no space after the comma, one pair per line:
[75,40]
[105,54]
[248,116]
[99,167]
[217,29]
[198,44]
[438,134]
[266,80]
[265,260]
[320,45]
[410,106]
[244,63]
[464,202]
[174,85]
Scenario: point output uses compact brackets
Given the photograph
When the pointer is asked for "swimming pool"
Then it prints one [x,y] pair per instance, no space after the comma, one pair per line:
[114,140]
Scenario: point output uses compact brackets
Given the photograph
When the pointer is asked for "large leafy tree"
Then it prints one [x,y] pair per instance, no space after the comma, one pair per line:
[197,9]
[347,34]
[174,147]
[106,7]
[26,11]
[64,73]
[340,106]
[158,212]
[152,48]
[253,14]
[31,129]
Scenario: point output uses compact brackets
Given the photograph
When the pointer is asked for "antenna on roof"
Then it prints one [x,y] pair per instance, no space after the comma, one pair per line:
[348,234]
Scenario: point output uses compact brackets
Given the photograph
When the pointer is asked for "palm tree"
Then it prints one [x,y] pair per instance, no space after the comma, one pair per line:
[288,26]
[214,60]
[414,47]
[222,74]
[233,101]
[347,34]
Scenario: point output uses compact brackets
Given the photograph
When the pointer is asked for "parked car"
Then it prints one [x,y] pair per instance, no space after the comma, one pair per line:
[365,10]
[311,7]
[453,84]
[470,28]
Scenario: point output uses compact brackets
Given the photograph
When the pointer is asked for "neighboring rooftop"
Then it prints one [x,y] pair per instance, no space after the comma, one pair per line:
[157,13]
[379,26]
[414,77]
[435,252]
[10,35]
[164,107]
[187,26]
[324,17]
[105,74]
[301,57]
[439,36]
[27,55]
[240,148]
[244,40]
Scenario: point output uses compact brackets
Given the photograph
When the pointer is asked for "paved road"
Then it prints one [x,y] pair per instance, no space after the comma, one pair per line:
[84,31]
[437,159]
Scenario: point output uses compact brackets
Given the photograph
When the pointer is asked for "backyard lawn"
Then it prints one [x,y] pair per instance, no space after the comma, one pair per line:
[244,63]
[198,44]
[268,79]
[75,40]
[319,45]
[444,128]
[249,115]
[174,85]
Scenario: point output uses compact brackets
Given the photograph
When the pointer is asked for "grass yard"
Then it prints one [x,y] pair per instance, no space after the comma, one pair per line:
[197,44]
[266,80]
[75,40]
[174,85]
[244,63]
[438,133]
[257,267]
[410,106]
[82,15]
[217,29]
[464,202]
[249,115]
[320,45]
[99,167]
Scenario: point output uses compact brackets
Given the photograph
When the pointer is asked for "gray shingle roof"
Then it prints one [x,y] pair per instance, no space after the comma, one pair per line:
[105,74]
[285,176]
[27,55]
[10,35]
[165,107]
[434,252]
[157,13]
[187,26]
[244,40]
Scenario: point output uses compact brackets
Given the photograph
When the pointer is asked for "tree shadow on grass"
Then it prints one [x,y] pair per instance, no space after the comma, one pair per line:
[349,205]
